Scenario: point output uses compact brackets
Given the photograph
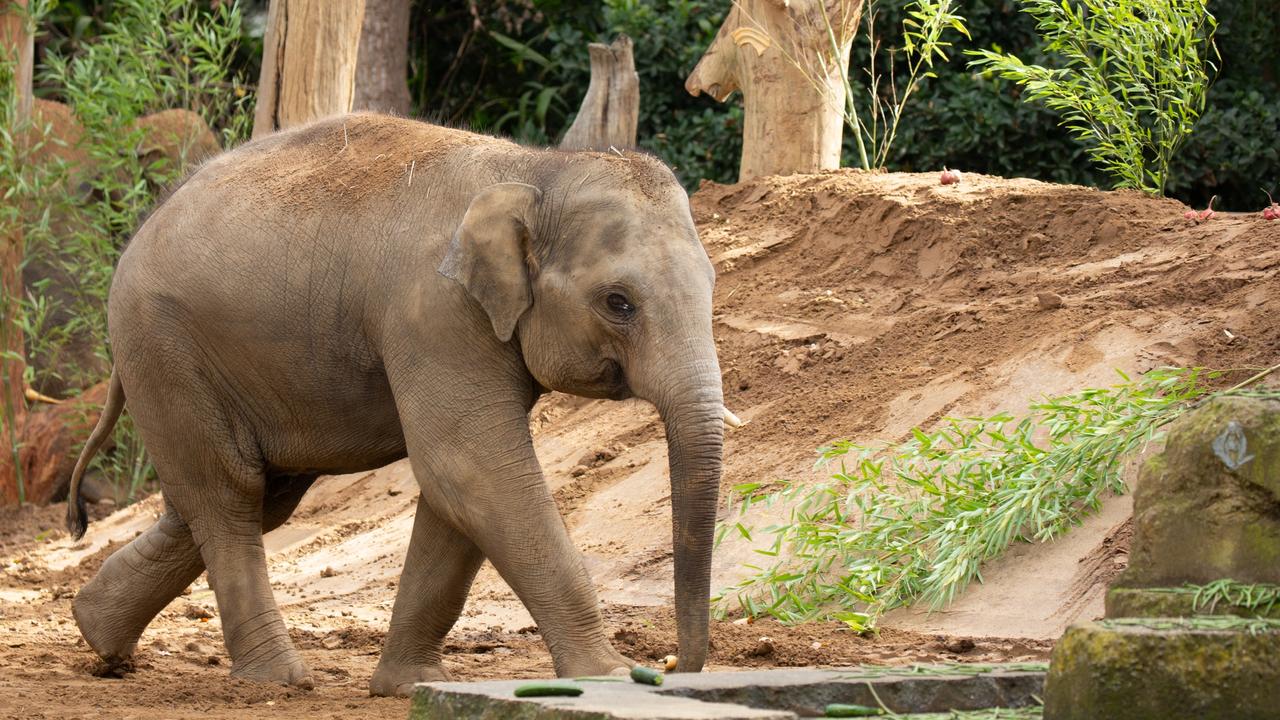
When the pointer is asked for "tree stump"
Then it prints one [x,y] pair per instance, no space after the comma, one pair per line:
[781,55]
[382,71]
[611,108]
[308,62]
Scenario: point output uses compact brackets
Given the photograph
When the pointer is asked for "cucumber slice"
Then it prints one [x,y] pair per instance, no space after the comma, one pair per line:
[646,676]
[841,710]
[548,689]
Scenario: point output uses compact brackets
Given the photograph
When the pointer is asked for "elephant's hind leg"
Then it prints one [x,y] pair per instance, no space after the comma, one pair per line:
[140,579]
[226,519]
[134,584]
[438,572]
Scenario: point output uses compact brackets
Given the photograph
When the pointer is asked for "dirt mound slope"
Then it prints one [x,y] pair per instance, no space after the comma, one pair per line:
[848,305]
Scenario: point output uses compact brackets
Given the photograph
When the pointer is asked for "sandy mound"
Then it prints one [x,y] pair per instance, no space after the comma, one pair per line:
[849,305]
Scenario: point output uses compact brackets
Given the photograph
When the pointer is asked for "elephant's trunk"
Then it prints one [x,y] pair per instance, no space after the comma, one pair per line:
[695,437]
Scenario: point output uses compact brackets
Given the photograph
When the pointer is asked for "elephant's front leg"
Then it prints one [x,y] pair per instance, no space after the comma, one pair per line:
[438,570]
[484,479]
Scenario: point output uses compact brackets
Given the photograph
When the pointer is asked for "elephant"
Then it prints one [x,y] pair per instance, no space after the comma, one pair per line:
[335,297]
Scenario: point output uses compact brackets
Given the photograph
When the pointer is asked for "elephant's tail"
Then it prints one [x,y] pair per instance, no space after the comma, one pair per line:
[77,519]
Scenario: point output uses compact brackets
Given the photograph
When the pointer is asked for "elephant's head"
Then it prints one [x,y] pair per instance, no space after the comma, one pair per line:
[596,271]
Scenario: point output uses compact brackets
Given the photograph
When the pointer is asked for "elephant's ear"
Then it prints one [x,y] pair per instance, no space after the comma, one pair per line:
[490,251]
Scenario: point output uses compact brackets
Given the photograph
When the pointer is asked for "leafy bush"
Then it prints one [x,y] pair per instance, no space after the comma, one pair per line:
[962,118]
[916,519]
[144,56]
[1134,85]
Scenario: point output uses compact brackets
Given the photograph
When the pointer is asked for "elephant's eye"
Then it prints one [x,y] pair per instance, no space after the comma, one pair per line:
[620,305]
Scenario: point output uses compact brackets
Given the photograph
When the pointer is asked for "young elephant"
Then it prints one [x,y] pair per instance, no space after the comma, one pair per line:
[336,297]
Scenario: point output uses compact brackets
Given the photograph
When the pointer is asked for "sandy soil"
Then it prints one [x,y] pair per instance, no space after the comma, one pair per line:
[849,305]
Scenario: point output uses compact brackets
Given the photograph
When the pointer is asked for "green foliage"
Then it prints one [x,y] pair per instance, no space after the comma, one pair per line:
[915,520]
[924,25]
[1024,713]
[144,56]
[1227,623]
[698,137]
[19,183]
[521,68]
[1134,83]
[1261,597]
[965,119]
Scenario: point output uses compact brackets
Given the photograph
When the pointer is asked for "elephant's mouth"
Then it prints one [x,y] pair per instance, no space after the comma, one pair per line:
[614,381]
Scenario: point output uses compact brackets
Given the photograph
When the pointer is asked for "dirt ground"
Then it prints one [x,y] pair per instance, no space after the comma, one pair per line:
[848,305]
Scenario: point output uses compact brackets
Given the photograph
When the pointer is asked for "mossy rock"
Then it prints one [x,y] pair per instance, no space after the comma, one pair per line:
[1208,506]
[1173,602]
[1159,669]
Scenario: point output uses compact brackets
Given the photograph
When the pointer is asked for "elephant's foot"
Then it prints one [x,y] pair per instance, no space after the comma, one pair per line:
[112,636]
[396,680]
[285,668]
[604,662]
[134,584]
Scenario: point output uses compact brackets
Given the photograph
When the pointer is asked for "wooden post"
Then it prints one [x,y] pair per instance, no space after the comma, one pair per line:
[15,46]
[611,108]
[308,62]
[780,54]
[382,71]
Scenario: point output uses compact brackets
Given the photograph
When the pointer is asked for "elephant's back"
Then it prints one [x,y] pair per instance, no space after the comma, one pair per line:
[346,162]
[332,187]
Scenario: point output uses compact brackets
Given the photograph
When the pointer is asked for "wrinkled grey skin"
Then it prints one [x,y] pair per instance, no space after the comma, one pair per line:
[333,298]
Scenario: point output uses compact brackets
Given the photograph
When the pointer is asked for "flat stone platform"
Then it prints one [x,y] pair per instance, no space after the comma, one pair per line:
[753,695]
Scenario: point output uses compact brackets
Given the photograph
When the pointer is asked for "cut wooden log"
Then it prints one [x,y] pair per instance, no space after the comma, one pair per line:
[51,440]
[309,60]
[610,111]
[788,57]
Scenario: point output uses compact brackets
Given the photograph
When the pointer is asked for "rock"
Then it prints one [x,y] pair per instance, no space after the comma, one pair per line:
[1205,507]
[1161,668]
[196,612]
[1049,301]
[1172,602]
[764,647]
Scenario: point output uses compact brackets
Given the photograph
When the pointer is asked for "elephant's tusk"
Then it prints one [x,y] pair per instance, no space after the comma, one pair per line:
[732,420]
[33,396]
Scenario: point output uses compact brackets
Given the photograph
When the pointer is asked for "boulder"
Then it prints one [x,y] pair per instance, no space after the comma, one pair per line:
[1208,506]
[1157,669]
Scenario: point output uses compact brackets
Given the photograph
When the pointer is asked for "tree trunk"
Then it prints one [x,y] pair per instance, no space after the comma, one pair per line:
[15,44]
[308,62]
[382,71]
[611,108]
[780,53]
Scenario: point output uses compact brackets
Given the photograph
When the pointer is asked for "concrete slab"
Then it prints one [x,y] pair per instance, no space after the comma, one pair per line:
[754,695]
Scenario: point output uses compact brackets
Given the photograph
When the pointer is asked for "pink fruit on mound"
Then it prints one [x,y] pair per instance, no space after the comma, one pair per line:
[1207,213]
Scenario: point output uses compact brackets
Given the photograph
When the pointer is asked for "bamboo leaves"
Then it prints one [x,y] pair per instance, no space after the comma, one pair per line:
[916,520]
[1136,76]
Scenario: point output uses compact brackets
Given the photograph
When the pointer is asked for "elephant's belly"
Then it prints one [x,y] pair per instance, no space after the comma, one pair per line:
[349,430]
